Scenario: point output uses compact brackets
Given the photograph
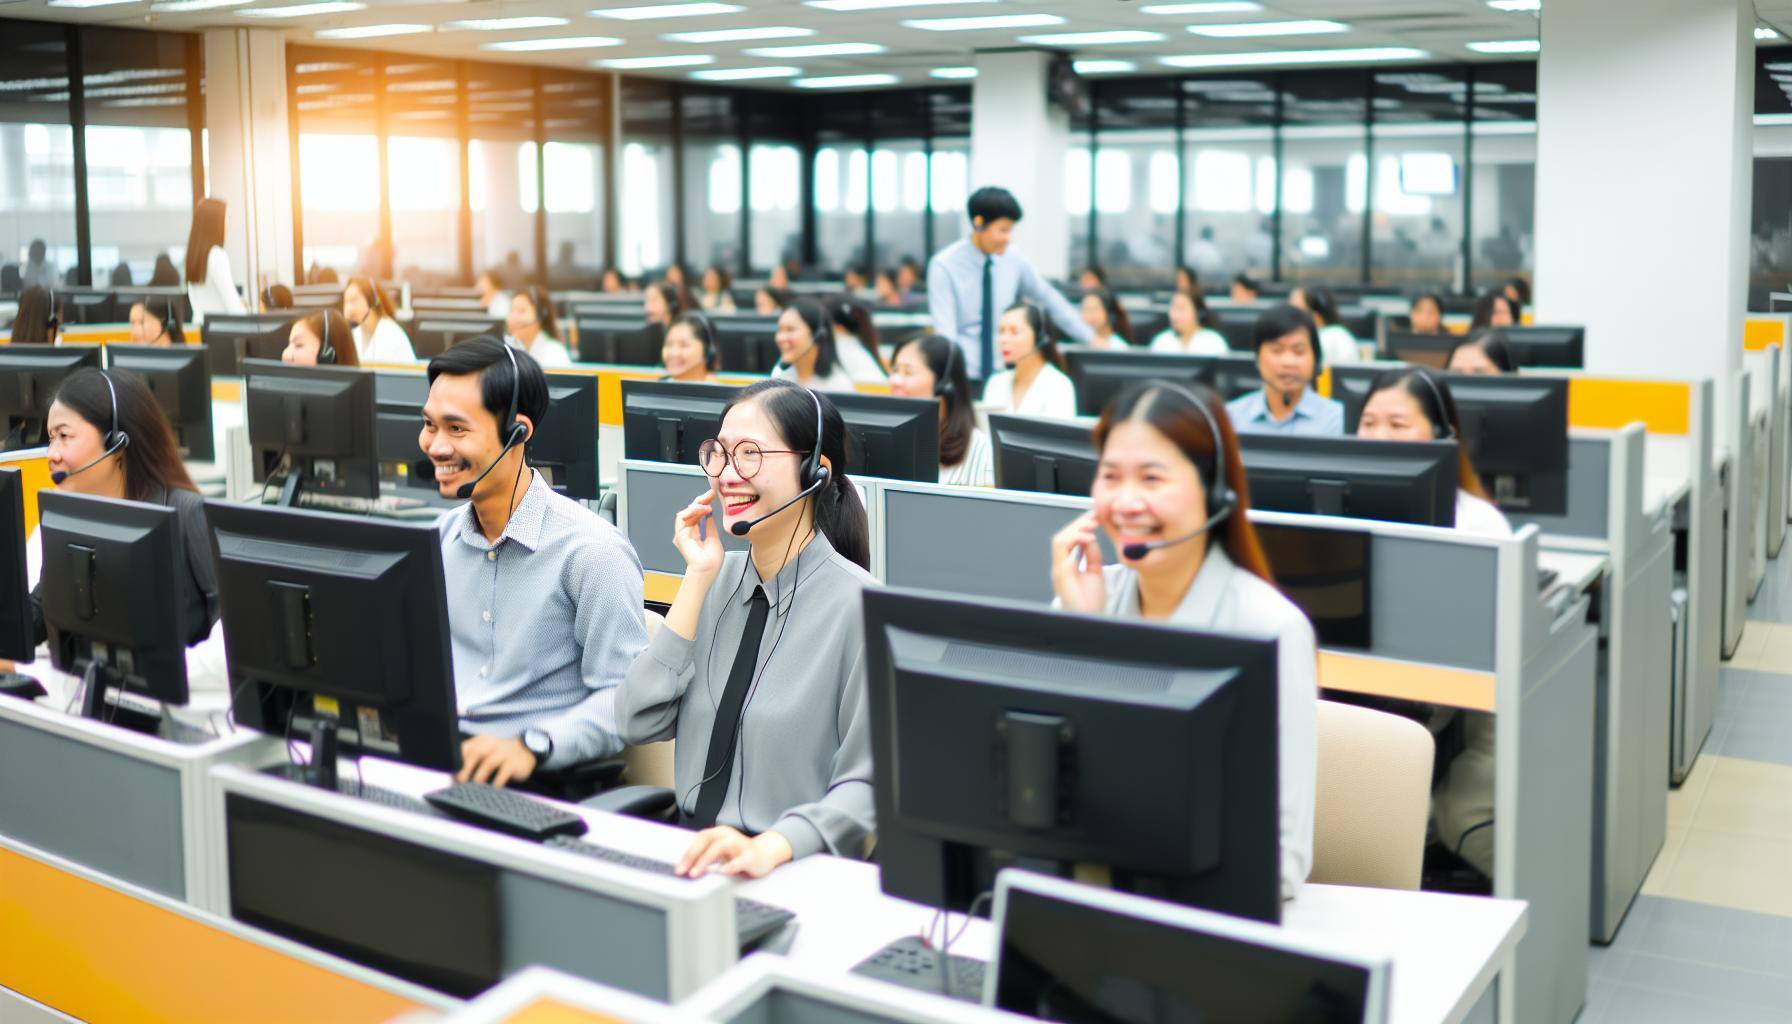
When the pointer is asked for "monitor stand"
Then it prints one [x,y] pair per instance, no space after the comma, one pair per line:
[290,488]
[1328,496]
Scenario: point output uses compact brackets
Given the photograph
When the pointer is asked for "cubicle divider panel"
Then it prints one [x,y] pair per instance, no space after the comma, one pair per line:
[975,543]
[652,494]
[1589,482]
[33,465]
[1610,403]
[1434,599]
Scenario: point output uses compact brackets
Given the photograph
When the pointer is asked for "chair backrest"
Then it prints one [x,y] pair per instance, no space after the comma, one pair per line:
[1373,798]
[650,764]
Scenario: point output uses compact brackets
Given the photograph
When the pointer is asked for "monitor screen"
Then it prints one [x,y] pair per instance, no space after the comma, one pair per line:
[1326,573]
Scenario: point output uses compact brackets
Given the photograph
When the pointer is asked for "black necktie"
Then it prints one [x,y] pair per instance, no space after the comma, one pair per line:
[986,334]
[718,767]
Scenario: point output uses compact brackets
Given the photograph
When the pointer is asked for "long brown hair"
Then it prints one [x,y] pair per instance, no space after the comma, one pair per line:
[544,310]
[31,324]
[206,234]
[152,460]
[1170,410]
[377,300]
[953,387]
[327,325]
[1432,393]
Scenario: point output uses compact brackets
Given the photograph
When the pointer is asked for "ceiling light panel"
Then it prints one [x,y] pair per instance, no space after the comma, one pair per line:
[373,31]
[682,60]
[504,24]
[1115,38]
[845,81]
[1260,29]
[745,74]
[1188,10]
[1104,67]
[816,50]
[985,23]
[1506,46]
[739,35]
[953,73]
[555,43]
[1349,55]
[882,5]
[657,11]
[302,10]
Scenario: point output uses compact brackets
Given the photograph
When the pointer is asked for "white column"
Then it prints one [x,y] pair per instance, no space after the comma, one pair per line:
[1018,143]
[251,152]
[1644,150]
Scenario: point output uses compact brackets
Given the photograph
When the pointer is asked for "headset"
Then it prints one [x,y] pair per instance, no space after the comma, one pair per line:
[943,387]
[115,439]
[1222,501]
[705,333]
[518,430]
[811,476]
[166,316]
[1443,429]
[54,320]
[326,352]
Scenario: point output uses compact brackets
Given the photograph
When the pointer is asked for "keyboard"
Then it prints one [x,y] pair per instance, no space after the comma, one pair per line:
[504,811]
[908,963]
[754,922]
[348,786]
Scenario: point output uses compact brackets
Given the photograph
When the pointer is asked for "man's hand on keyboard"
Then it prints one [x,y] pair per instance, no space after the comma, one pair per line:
[727,851]
[494,759]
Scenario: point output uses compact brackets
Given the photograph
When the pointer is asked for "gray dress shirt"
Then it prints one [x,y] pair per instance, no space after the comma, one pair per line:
[803,756]
[955,299]
[545,622]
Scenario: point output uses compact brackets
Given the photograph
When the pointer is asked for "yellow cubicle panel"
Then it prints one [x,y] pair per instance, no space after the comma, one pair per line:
[1611,403]
[98,954]
[34,469]
[1758,333]
[547,1010]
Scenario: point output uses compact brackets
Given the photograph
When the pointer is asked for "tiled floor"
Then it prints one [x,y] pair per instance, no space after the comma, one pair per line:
[1710,939]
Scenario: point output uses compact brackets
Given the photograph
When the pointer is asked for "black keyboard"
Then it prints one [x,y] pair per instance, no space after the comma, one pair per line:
[908,963]
[504,811]
[754,922]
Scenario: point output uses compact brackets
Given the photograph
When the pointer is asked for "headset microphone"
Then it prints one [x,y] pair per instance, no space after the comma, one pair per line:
[1134,552]
[813,474]
[517,431]
[115,440]
[740,529]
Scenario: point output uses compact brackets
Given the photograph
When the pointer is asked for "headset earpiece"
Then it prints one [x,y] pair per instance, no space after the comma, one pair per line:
[518,431]
[943,387]
[813,471]
[326,352]
[115,438]
[1442,429]
[54,320]
[168,317]
[1221,499]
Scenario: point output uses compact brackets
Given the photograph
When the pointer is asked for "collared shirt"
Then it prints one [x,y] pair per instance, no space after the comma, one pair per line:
[803,749]
[955,298]
[1224,598]
[1313,414]
[545,622]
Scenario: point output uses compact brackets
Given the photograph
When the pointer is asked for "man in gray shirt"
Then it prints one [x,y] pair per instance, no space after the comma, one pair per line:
[544,595]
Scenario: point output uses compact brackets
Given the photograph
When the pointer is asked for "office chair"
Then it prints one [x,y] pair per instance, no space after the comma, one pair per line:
[648,770]
[1373,800]
[12,281]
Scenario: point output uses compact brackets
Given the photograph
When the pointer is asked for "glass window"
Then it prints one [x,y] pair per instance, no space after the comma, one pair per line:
[1504,172]
[842,187]
[423,162]
[1079,173]
[1229,177]
[712,173]
[339,159]
[776,174]
[1324,115]
[899,201]
[1417,222]
[646,239]
[139,151]
[950,171]
[575,109]
[501,170]
[37,194]
[1134,171]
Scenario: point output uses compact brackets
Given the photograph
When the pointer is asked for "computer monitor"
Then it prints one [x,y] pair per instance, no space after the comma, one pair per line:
[747,342]
[314,427]
[889,437]
[309,298]
[1351,387]
[229,340]
[398,400]
[110,570]
[1360,321]
[1394,481]
[337,624]
[1326,572]
[666,421]
[1516,431]
[16,640]
[1072,952]
[435,334]
[88,306]
[619,340]
[1237,323]
[564,447]
[181,381]
[450,306]
[1004,736]
[157,298]
[1101,374]
[1036,454]
[1552,347]
[1431,350]
[29,377]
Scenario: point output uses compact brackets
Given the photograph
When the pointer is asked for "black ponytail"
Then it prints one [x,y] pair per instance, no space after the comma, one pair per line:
[839,512]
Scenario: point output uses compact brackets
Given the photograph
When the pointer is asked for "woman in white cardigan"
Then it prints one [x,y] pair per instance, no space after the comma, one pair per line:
[210,286]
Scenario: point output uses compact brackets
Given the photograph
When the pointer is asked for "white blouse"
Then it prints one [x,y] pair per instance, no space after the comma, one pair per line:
[217,293]
[547,353]
[1204,343]
[976,469]
[1052,395]
[1480,517]
[389,343]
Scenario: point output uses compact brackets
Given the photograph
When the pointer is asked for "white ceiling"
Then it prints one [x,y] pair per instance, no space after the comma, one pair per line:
[1442,28]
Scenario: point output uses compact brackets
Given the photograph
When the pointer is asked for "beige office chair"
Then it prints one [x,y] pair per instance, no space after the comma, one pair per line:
[1373,798]
[649,764]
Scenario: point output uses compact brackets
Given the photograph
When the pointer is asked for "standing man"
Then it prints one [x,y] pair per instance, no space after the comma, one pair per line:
[971,281]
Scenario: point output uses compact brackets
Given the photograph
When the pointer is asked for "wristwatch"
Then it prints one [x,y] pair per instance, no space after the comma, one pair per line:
[538,743]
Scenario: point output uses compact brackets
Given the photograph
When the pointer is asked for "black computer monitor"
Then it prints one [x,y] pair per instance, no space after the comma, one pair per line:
[314,427]
[1432,350]
[1394,481]
[1351,386]
[1101,374]
[564,446]
[309,298]
[398,400]
[889,437]
[449,305]
[337,624]
[1005,735]
[157,298]
[29,377]
[1516,432]
[666,421]
[1360,321]
[1327,573]
[433,334]
[1037,454]
[111,569]
[1552,347]
[181,381]
[1237,323]
[16,640]
[229,340]
[747,342]
[619,340]
[88,306]
[1234,375]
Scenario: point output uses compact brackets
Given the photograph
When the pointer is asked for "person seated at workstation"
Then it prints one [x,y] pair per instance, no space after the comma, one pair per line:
[854,280]
[1426,315]
[530,326]
[662,301]
[1187,279]
[1171,494]
[210,286]
[855,340]
[714,295]
[276,297]
[321,339]
[675,276]
[1289,359]
[779,277]
[1186,333]
[496,299]
[806,351]
[165,274]
[930,367]
[1335,340]
[1484,353]
[1413,403]
[759,671]
[1109,326]
[769,301]
[35,322]
[377,336]
[544,595]
[1034,383]
[1495,309]
[689,352]
[156,322]
[908,277]
[883,287]
[1245,288]
[1091,278]
[1518,289]
[613,283]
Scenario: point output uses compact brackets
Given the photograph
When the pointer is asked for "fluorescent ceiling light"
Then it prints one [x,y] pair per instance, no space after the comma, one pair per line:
[1254,29]
[1515,5]
[1223,7]
[953,73]
[372,31]
[845,81]
[879,5]
[182,6]
[502,24]
[684,60]
[89,3]
[1763,32]
[1358,55]
[559,43]
[1103,67]
[1115,38]
[301,10]
[816,50]
[987,22]
[1506,46]
[745,74]
[656,11]
[736,35]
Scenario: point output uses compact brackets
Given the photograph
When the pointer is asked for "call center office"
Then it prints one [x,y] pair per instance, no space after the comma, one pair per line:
[1187,530]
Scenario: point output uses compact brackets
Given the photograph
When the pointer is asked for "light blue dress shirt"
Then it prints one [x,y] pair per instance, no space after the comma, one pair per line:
[955,298]
[1313,414]
[545,622]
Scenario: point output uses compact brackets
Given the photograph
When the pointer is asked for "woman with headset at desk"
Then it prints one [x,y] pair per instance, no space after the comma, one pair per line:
[759,671]
[1171,495]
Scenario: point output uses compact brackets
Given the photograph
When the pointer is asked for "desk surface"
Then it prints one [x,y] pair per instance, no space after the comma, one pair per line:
[1573,568]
